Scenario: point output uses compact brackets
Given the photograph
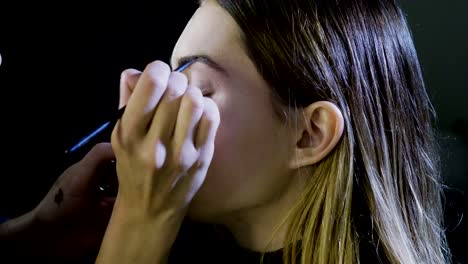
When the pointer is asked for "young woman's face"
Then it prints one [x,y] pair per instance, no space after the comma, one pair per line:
[249,168]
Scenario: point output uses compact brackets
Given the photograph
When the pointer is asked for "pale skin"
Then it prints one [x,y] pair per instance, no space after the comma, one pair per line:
[223,158]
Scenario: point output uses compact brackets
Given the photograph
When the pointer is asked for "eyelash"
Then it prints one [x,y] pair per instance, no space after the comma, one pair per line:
[207,93]
[205,89]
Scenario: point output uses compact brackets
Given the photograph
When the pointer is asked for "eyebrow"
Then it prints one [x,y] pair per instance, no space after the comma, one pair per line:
[205,59]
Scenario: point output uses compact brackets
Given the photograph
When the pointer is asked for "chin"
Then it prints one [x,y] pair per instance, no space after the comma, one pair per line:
[210,205]
[202,209]
[210,202]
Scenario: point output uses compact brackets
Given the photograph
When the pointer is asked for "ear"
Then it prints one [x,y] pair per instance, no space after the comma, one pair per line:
[319,130]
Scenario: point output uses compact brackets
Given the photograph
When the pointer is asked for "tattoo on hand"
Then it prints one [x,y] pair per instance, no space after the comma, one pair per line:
[59,197]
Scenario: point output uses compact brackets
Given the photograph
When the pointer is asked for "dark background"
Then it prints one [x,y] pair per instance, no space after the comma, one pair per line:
[61,67]
[60,77]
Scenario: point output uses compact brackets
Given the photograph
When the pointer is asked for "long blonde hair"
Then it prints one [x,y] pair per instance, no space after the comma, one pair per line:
[380,189]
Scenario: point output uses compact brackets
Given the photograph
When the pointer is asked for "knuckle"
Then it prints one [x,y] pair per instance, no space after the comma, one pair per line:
[156,74]
[160,155]
[177,163]
[159,67]
[146,158]
[119,141]
[179,77]
[153,158]
[156,81]
[115,141]
[194,99]
[126,74]
[201,163]
[184,158]
[129,79]
[176,85]
[211,111]
[116,148]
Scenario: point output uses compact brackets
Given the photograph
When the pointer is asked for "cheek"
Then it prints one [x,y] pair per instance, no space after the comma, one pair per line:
[246,152]
[230,167]
[244,135]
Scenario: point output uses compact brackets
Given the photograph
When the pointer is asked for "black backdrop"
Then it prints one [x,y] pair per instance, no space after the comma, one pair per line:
[60,77]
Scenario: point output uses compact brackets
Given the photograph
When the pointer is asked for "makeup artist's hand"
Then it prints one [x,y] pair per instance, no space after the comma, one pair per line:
[164,144]
[73,214]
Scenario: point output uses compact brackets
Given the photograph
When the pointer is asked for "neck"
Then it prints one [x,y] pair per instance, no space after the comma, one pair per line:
[263,228]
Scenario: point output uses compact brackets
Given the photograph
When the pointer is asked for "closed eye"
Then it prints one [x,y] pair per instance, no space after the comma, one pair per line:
[206,90]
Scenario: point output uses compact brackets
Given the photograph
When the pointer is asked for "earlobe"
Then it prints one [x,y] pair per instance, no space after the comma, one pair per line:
[320,130]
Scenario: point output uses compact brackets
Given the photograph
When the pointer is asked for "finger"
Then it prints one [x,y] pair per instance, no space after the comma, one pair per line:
[188,185]
[164,120]
[128,81]
[99,153]
[190,112]
[86,172]
[208,125]
[144,100]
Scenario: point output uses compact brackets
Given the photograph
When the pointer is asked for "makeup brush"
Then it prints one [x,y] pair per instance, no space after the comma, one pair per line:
[108,182]
[109,124]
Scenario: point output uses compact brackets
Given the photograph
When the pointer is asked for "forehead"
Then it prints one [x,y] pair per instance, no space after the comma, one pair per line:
[211,31]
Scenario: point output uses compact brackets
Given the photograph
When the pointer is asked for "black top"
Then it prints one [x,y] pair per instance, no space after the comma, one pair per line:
[203,243]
